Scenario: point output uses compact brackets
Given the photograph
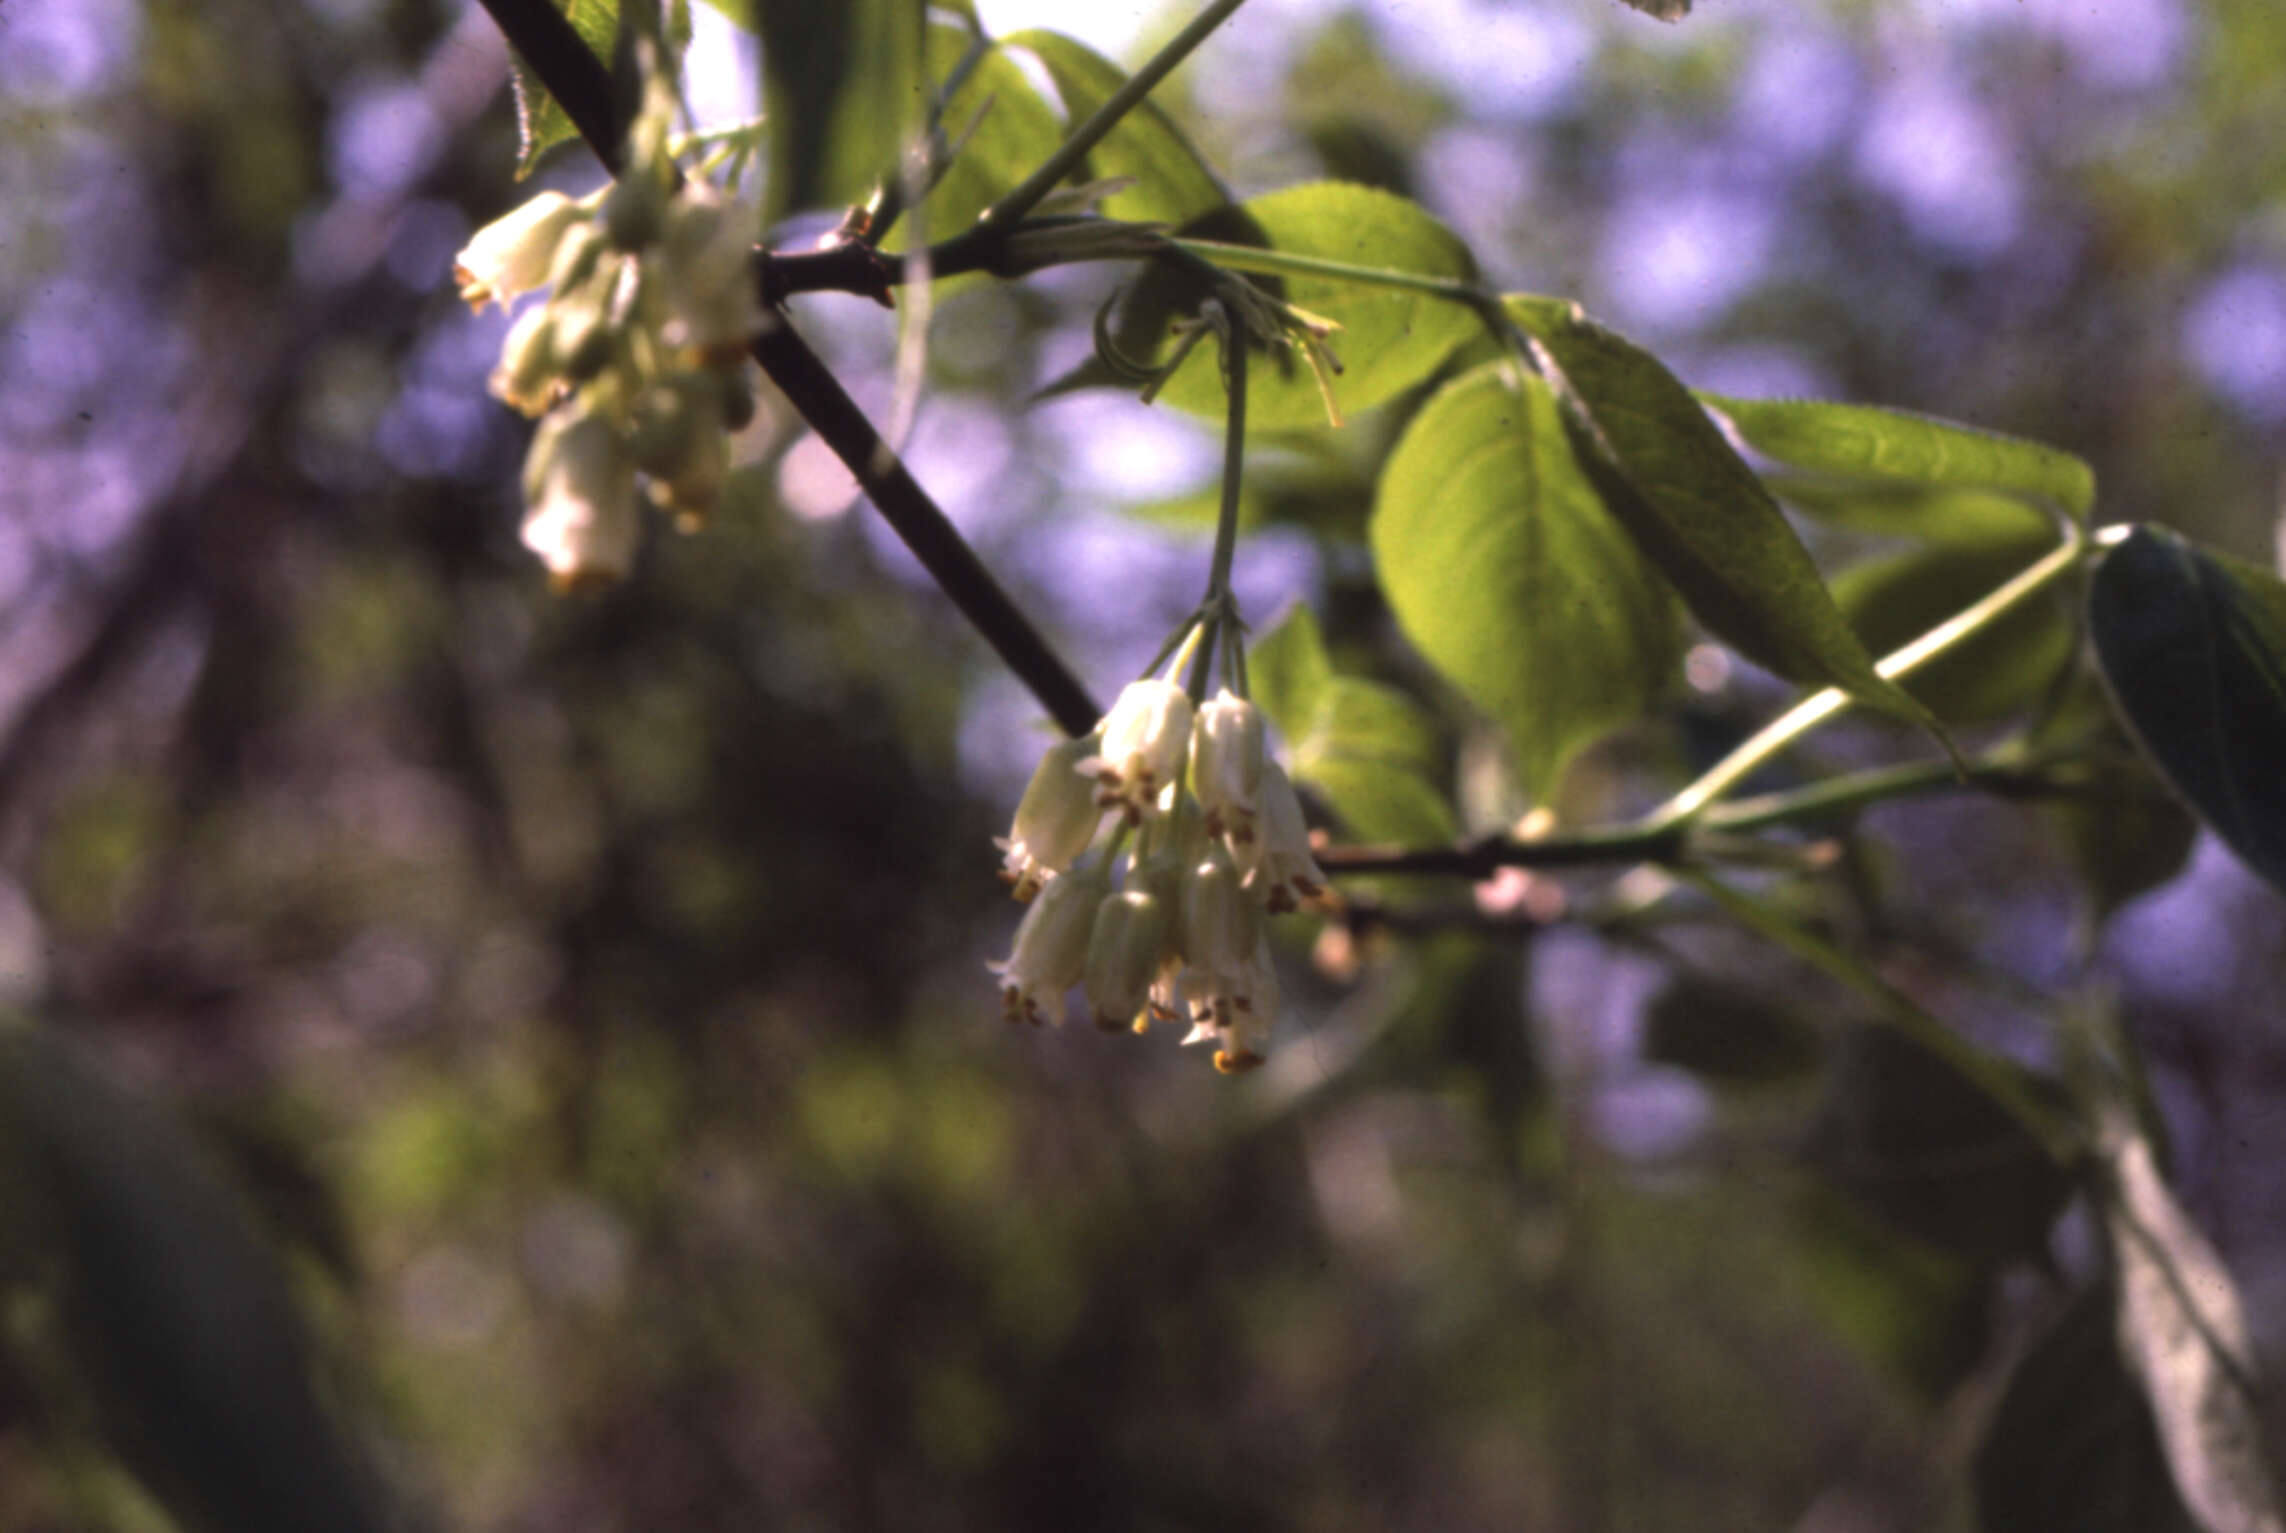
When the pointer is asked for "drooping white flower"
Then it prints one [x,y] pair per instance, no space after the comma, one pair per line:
[581,515]
[1226,764]
[1051,948]
[529,368]
[1055,819]
[1235,1011]
[707,255]
[512,255]
[1146,738]
[1123,954]
[1280,867]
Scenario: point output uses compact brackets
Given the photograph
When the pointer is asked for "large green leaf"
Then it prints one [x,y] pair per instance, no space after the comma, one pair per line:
[844,89]
[1863,445]
[2124,832]
[1506,571]
[1389,339]
[1910,511]
[1697,510]
[1370,750]
[2193,646]
[1893,600]
[1172,182]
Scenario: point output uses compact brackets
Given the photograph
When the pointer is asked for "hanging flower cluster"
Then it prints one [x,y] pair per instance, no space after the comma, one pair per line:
[636,360]
[1207,839]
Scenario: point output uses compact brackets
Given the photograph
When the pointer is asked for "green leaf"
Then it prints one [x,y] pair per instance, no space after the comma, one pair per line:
[1371,751]
[1697,510]
[1663,10]
[1728,1034]
[1864,445]
[1506,571]
[844,89]
[1891,601]
[1918,1145]
[2073,1445]
[177,1316]
[1911,511]
[2182,1331]
[2193,646]
[1172,182]
[541,123]
[1389,339]
[1287,671]
[1016,131]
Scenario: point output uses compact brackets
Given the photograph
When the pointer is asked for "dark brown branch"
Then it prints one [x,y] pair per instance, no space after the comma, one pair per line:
[578,80]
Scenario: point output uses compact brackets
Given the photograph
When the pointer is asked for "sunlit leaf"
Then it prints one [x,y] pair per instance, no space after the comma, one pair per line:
[1864,445]
[999,122]
[1172,182]
[1389,339]
[1892,600]
[2193,646]
[1698,511]
[844,89]
[1911,511]
[2182,1331]
[1507,572]
[541,122]
[1372,752]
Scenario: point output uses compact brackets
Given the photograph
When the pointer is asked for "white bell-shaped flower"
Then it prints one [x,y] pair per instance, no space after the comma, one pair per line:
[1055,819]
[707,256]
[1235,1011]
[1051,948]
[1281,869]
[581,515]
[1146,738]
[1221,923]
[1226,764]
[512,255]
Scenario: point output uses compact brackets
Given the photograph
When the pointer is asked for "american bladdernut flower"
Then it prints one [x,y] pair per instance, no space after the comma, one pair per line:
[579,490]
[1280,867]
[1146,741]
[1051,948]
[1055,819]
[513,254]
[1226,764]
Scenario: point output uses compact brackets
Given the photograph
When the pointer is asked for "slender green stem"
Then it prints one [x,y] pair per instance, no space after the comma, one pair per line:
[2003,1086]
[1285,263]
[2008,771]
[1104,118]
[1805,716]
[1220,610]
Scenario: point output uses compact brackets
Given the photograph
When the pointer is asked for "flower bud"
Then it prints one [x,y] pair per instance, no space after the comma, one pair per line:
[1123,956]
[1055,819]
[1145,739]
[1226,764]
[513,254]
[528,373]
[1221,924]
[1051,948]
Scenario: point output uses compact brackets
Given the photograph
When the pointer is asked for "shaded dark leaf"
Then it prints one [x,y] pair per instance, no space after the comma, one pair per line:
[1727,1034]
[2193,646]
